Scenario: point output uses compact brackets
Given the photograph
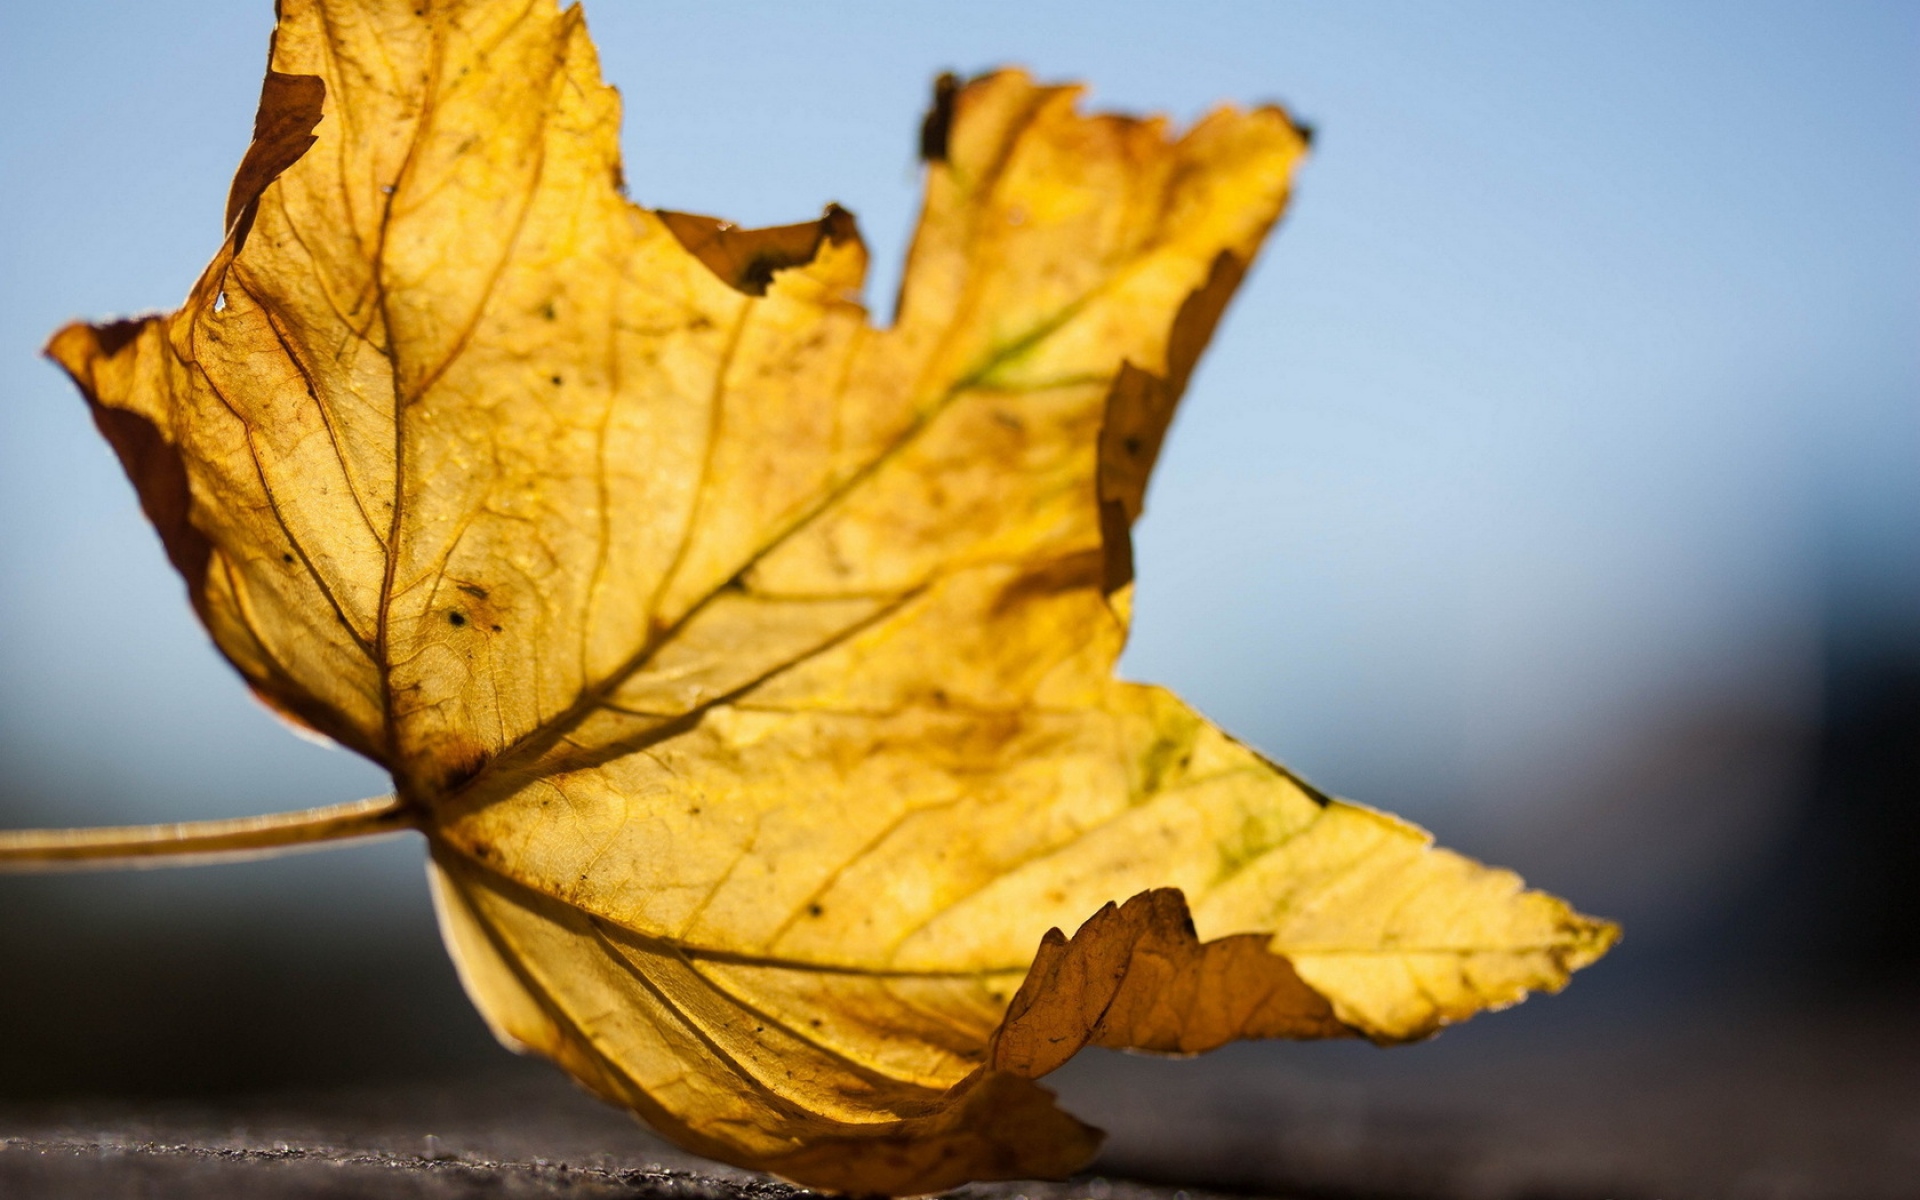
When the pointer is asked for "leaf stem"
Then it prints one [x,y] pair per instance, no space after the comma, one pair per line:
[192,842]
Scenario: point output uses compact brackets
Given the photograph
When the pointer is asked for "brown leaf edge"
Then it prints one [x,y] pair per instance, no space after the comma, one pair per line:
[1140,406]
[105,358]
[747,259]
[290,108]
[1135,976]
[152,462]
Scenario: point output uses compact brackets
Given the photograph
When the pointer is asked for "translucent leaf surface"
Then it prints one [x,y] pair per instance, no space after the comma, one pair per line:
[749,666]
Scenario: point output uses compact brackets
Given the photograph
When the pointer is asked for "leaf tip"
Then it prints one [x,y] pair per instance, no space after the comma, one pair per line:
[76,346]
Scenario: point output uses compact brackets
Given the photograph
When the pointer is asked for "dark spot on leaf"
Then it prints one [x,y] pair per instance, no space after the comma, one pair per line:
[556,381]
[495,628]
[757,275]
[286,558]
[814,1021]
[474,590]
[814,910]
[456,618]
[459,773]
[546,310]
[693,812]
[936,129]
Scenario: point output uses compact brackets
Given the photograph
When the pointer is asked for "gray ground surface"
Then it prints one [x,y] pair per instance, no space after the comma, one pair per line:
[1723,1104]
[518,1135]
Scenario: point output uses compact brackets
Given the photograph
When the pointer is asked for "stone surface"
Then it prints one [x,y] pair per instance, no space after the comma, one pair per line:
[162,1046]
[514,1136]
[1726,1105]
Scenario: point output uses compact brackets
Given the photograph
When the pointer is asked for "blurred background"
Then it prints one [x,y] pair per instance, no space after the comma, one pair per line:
[1552,482]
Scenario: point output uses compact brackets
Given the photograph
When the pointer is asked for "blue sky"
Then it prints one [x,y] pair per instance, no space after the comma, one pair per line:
[1580,379]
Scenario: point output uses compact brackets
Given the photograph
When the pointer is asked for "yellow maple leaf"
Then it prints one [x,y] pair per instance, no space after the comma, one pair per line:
[749,667]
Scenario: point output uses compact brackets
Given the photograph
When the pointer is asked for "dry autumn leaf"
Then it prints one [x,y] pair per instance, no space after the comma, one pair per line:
[748,666]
